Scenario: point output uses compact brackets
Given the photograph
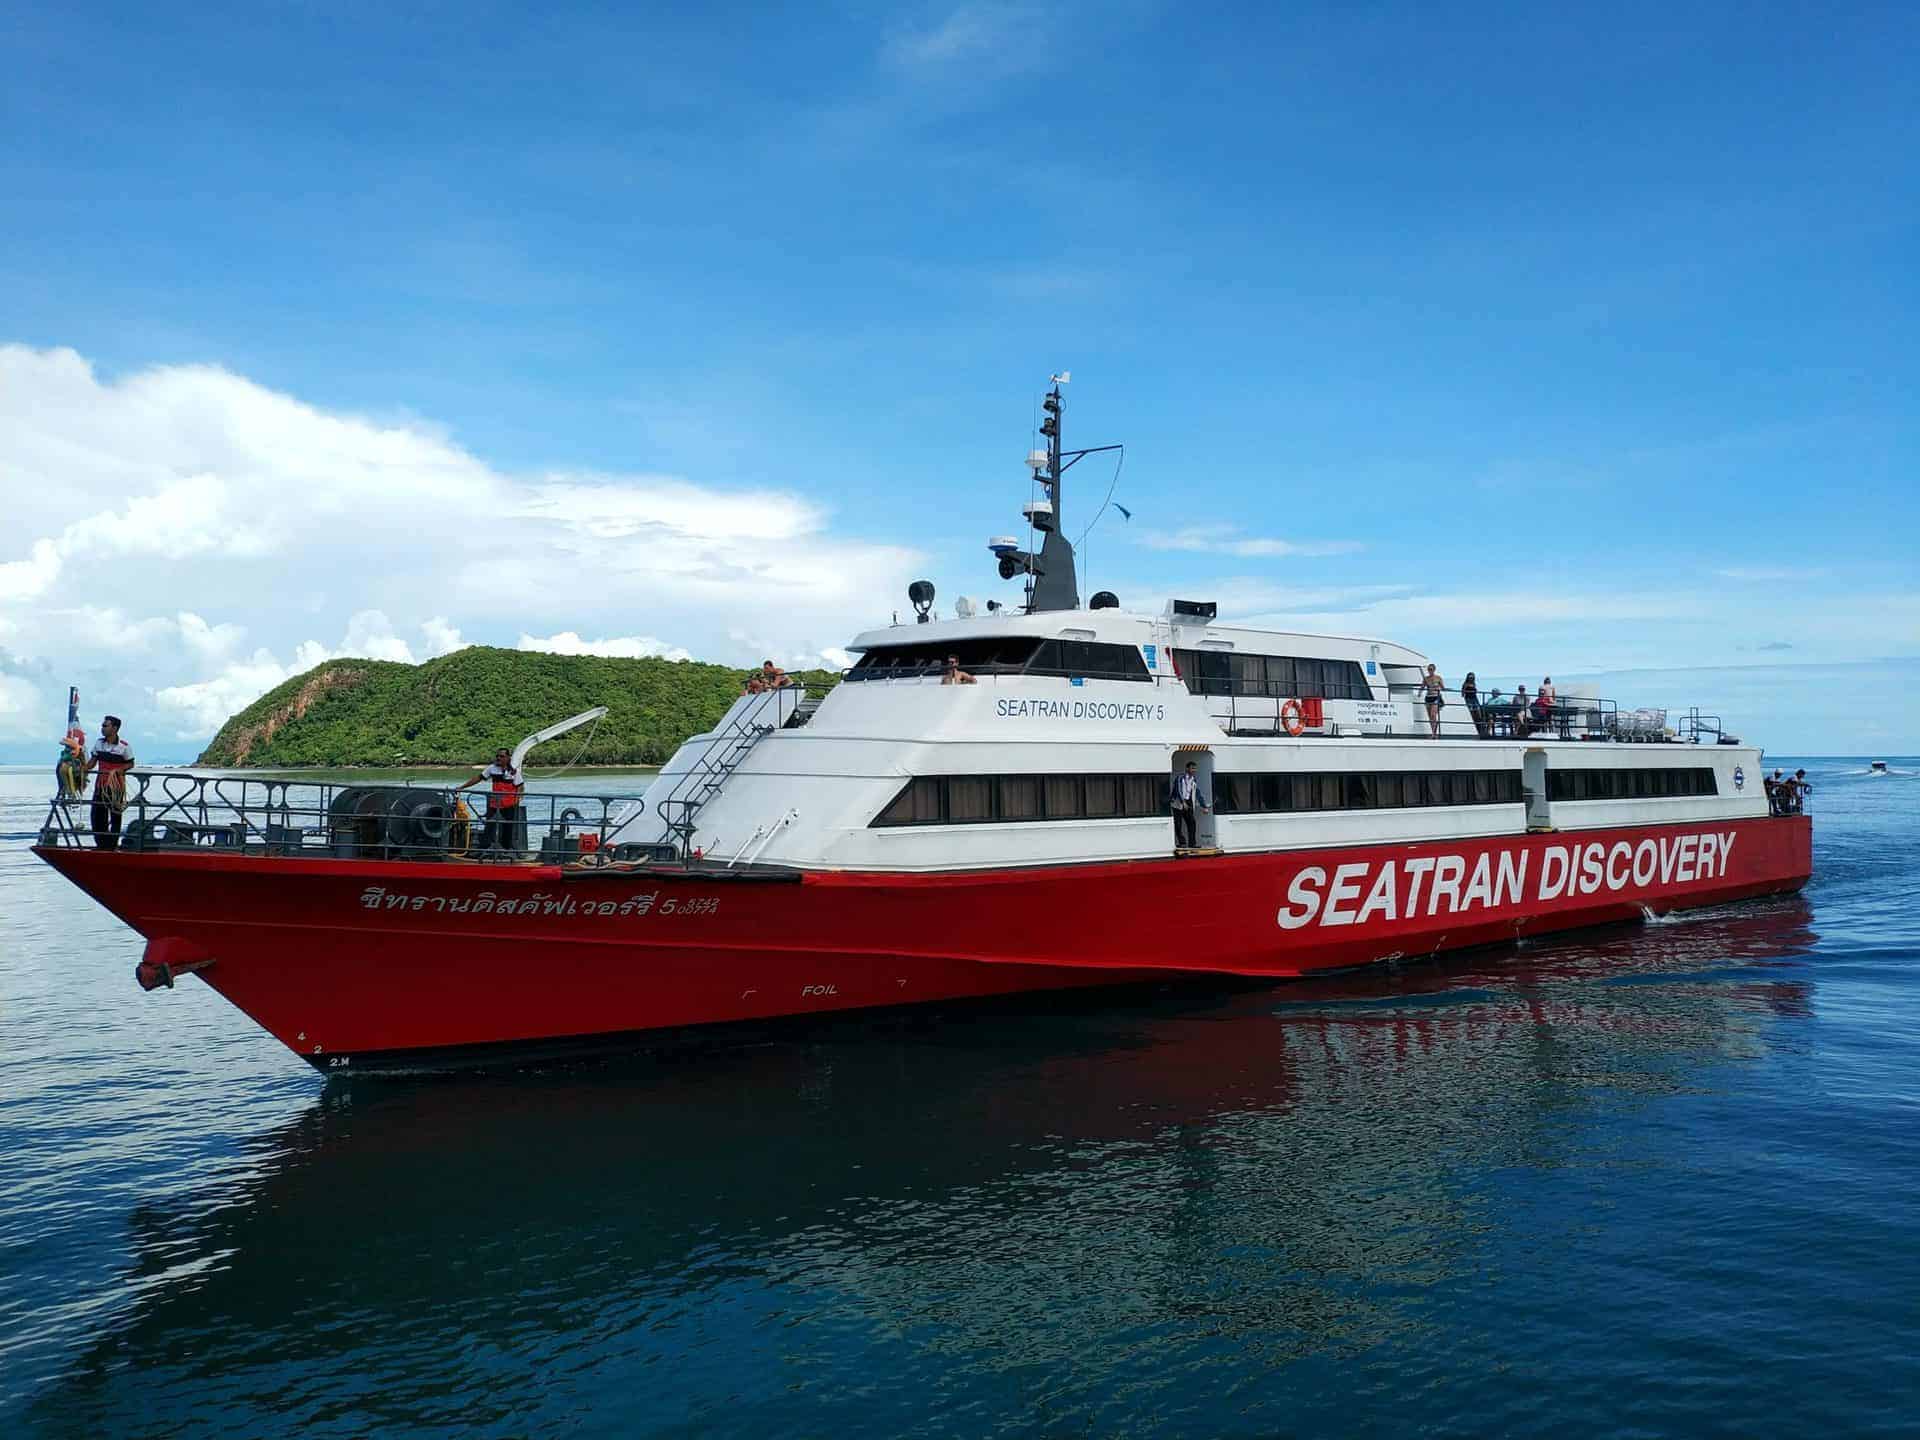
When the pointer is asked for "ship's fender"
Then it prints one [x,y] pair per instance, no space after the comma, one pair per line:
[167,956]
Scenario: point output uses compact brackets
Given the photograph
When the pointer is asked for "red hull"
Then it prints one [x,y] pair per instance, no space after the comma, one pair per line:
[350,963]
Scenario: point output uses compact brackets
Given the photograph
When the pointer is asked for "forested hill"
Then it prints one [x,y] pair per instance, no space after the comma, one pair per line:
[458,709]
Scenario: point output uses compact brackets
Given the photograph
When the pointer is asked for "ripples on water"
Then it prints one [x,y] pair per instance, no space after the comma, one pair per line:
[1653,1179]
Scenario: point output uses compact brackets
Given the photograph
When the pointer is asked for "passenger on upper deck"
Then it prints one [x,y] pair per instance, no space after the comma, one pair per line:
[1436,697]
[1517,725]
[772,677]
[954,675]
[1470,694]
[1543,703]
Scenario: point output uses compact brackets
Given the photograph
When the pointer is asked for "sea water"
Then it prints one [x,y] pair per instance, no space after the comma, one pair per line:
[1656,1179]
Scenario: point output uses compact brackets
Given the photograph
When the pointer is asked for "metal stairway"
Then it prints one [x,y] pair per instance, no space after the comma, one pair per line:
[680,810]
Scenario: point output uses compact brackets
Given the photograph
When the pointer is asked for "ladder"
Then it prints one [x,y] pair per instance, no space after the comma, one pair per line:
[724,753]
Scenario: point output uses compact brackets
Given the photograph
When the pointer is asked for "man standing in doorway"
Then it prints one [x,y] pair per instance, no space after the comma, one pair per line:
[1187,802]
[506,818]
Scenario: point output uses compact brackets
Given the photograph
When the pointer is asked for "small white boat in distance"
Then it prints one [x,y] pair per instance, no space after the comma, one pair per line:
[1878,767]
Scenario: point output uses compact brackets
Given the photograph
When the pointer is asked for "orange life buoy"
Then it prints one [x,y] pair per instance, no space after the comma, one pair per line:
[1290,717]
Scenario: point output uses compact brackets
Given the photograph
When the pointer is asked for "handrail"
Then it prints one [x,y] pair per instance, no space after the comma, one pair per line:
[176,809]
[1493,715]
[725,746]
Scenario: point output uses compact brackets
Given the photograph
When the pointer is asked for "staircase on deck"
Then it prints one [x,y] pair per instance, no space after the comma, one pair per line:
[751,720]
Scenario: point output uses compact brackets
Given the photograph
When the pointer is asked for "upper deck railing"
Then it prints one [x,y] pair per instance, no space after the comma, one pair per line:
[177,810]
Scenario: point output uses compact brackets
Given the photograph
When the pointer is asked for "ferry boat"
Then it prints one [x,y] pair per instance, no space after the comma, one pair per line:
[927,831]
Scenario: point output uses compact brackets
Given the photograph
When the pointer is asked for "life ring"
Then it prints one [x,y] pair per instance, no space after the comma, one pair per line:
[1290,718]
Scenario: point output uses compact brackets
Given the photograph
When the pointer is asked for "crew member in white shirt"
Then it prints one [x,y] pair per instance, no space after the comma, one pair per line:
[505,829]
[1187,802]
[110,759]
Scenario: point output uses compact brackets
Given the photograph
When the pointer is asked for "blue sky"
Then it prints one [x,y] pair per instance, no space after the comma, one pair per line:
[1540,338]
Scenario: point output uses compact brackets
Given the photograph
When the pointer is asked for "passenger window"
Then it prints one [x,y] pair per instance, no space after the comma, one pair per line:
[1103,795]
[969,797]
[1144,794]
[1215,668]
[1019,797]
[1063,797]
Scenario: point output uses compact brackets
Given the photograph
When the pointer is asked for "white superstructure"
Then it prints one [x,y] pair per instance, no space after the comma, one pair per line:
[1062,748]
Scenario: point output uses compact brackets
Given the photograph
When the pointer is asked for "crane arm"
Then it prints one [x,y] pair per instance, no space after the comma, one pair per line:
[558,728]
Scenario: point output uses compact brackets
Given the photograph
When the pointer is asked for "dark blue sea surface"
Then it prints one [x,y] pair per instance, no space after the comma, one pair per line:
[1662,1179]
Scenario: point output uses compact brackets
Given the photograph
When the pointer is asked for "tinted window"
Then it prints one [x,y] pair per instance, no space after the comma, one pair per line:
[969,797]
[1143,794]
[1019,797]
[1063,797]
[973,799]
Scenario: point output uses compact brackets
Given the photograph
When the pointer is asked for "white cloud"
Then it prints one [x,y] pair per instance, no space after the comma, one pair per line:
[969,31]
[443,636]
[19,698]
[26,578]
[202,707]
[630,647]
[246,525]
[1226,540]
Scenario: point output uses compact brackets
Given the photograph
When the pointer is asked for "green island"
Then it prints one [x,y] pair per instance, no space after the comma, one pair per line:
[458,709]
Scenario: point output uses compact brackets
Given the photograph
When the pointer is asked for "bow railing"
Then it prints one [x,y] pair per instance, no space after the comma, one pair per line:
[179,810]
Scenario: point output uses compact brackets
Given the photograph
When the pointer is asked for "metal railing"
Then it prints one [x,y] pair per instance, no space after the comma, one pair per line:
[171,810]
[747,722]
[1492,715]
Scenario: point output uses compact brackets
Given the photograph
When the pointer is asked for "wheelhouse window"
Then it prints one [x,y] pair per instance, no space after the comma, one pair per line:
[1005,655]
[1228,672]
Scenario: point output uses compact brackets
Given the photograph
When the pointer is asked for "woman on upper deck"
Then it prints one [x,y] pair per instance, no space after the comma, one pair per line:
[1436,697]
[1470,694]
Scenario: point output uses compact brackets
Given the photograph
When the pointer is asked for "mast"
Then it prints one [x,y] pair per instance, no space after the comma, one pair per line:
[1052,583]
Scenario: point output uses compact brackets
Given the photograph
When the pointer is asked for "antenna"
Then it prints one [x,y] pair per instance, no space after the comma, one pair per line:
[1051,581]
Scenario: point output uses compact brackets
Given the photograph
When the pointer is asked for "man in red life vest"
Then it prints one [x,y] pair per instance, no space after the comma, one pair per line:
[506,817]
[110,759]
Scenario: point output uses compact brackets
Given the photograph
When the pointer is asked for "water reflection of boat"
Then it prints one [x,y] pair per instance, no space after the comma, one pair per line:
[1042,1173]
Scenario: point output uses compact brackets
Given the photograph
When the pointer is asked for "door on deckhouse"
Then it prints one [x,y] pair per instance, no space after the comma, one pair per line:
[1191,798]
